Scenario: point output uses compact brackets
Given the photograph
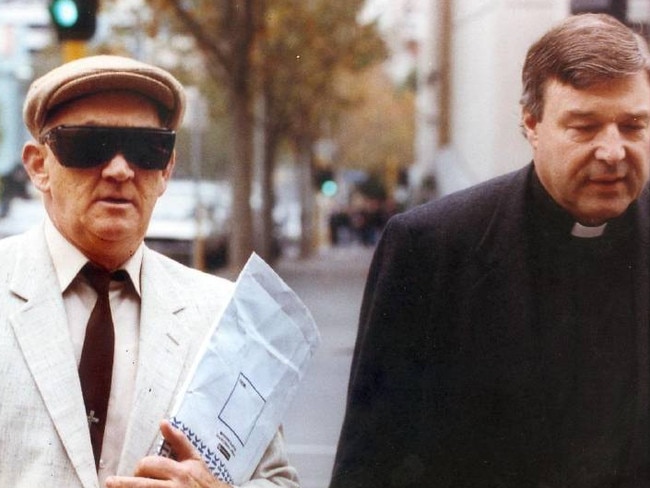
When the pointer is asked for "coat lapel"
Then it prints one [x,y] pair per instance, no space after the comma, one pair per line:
[498,267]
[41,329]
[164,343]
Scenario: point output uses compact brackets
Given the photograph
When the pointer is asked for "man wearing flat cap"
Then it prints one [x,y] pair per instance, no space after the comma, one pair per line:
[83,405]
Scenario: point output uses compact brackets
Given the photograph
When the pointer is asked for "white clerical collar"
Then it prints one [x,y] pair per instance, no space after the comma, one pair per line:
[587,232]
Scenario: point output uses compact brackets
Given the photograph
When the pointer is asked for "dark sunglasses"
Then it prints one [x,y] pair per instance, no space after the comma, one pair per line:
[85,146]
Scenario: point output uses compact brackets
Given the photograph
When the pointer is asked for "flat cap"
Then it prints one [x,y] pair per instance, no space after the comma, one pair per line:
[95,74]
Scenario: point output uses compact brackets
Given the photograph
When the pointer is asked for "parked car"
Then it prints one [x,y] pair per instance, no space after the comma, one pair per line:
[192,215]
[22,214]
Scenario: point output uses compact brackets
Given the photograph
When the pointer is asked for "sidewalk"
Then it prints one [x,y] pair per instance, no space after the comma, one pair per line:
[352,259]
[331,285]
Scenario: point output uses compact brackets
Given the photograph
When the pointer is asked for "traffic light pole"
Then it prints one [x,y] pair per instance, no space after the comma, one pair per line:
[75,22]
[72,49]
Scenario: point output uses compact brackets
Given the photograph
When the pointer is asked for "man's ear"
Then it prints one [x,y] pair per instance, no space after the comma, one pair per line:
[34,155]
[529,125]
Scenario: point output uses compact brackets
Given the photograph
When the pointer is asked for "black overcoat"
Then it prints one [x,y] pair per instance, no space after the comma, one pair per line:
[449,385]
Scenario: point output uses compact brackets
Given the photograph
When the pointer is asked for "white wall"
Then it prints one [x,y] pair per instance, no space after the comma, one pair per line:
[489,45]
[426,103]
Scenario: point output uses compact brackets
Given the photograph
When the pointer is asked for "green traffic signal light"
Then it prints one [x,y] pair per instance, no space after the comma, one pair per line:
[74,19]
[329,188]
[65,13]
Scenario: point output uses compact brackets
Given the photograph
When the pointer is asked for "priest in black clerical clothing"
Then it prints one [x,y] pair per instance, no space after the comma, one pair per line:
[503,335]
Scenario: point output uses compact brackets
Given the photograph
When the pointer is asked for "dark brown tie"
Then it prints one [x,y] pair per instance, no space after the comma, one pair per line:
[96,365]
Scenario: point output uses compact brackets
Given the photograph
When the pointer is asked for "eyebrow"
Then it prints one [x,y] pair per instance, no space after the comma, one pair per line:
[580,114]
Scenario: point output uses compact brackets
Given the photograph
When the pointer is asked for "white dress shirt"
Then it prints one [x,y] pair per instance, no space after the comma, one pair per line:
[79,299]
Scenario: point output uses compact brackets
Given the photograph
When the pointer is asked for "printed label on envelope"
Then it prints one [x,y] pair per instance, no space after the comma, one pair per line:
[242,409]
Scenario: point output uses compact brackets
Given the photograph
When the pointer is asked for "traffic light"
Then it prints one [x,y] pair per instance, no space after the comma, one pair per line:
[74,19]
[324,180]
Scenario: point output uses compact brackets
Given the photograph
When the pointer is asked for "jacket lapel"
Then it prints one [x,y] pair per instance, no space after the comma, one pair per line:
[41,329]
[164,343]
[498,266]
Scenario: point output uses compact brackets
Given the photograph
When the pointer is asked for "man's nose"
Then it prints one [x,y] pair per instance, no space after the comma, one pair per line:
[118,168]
[610,145]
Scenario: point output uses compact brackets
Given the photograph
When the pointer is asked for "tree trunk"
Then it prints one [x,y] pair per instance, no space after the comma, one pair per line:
[305,158]
[268,246]
[243,16]
[241,237]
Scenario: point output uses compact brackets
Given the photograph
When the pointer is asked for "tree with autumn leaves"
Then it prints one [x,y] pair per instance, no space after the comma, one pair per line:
[280,62]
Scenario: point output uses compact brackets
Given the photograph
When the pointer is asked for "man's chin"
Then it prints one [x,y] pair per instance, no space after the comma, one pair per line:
[117,233]
[599,216]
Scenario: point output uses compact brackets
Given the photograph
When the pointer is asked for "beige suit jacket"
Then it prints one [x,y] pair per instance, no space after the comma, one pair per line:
[43,434]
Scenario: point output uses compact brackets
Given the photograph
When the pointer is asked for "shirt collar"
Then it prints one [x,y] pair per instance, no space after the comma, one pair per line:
[587,232]
[68,260]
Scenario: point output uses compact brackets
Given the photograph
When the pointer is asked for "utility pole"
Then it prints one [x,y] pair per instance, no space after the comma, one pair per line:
[444,70]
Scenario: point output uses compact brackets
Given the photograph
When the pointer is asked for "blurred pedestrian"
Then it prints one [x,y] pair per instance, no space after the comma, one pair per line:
[339,226]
